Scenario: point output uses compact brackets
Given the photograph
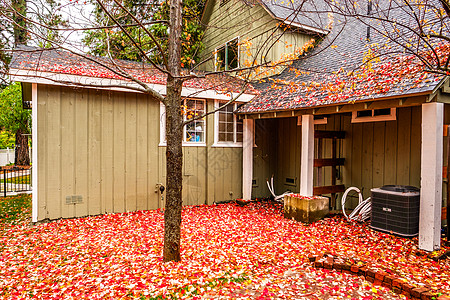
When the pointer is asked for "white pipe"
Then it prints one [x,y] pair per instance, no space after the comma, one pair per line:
[362,210]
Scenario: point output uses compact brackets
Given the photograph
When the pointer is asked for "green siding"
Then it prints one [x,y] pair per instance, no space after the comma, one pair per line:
[104,146]
[252,23]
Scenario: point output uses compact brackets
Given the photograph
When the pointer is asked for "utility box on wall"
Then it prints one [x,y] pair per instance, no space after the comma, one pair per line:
[395,209]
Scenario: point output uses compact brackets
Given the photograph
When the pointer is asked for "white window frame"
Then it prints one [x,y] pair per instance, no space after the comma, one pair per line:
[391,117]
[162,130]
[225,45]
[218,143]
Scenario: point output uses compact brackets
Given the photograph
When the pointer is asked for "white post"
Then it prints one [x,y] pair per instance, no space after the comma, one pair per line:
[34,141]
[247,158]
[431,176]
[307,161]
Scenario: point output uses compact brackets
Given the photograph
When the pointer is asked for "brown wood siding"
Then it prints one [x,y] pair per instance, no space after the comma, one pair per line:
[104,146]
[376,153]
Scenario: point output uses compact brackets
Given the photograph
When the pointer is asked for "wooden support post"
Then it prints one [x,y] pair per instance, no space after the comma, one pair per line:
[247,158]
[307,159]
[431,176]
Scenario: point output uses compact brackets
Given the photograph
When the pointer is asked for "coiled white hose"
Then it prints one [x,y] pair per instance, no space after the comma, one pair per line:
[362,210]
[272,191]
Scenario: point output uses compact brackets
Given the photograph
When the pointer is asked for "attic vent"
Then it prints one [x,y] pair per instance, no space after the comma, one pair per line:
[318,120]
[290,181]
[74,199]
[255,182]
[374,115]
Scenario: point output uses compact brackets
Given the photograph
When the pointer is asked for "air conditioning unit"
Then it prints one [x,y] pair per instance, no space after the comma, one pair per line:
[395,209]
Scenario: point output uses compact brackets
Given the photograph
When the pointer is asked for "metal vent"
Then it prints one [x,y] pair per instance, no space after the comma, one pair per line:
[289,181]
[74,199]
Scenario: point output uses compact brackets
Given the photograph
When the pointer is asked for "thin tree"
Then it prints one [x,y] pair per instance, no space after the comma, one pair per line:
[169,62]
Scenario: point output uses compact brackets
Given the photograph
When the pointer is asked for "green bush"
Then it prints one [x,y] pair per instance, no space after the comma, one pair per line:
[7,140]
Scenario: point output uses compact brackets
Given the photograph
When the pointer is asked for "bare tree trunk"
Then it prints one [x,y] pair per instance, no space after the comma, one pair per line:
[20,33]
[22,155]
[174,136]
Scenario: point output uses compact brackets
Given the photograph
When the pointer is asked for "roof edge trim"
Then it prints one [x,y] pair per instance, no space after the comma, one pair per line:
[114,84]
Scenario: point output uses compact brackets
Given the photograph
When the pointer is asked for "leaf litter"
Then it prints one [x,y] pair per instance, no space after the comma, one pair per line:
[228,252]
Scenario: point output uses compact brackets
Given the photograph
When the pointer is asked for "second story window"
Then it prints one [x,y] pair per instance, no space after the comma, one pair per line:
[227,56]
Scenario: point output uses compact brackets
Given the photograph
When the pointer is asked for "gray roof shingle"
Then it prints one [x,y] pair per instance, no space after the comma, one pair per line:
[332,72]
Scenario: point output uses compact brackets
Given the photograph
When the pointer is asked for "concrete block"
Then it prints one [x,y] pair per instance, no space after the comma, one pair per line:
[305,209]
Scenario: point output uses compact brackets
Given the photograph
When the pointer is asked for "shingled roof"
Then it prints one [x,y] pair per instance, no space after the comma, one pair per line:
[310,15]
[335,73]
[53,61]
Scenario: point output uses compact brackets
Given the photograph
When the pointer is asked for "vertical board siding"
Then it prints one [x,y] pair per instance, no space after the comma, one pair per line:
[130,152]
[97,145]
[67,143]
[416,140]
[119,153]
[151,115]
[54,138]
[82,157]
[107,153]
[104,146]
[253,23]
[94,153]
[404,146]
[142,188]
[376,153]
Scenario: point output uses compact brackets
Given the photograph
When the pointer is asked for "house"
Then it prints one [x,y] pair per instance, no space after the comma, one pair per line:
[321,125]
[325,124]
[240,33]
[99,144]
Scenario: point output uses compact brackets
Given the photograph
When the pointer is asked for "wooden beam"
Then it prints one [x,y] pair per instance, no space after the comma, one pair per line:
[247,158]
[324,134]
[431,176]
[327,162]
[329,189]
[307,156]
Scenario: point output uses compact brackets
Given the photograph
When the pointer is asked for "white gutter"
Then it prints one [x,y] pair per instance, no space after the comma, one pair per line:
[115,84]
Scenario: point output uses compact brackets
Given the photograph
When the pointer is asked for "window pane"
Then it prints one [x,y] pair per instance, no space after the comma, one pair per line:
[220,62]
[222,116]
[195,130]
[230,137]
[230,118]
[230,127]
[239,137]
[232,55]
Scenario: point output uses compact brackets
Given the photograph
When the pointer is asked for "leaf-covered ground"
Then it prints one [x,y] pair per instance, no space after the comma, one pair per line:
[15,210]
[228,252]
